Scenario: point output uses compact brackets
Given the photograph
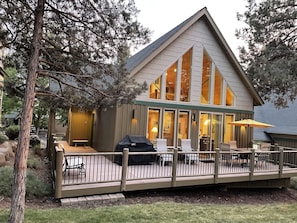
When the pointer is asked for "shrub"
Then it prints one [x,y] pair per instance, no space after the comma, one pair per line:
[293,182]
[34,140]
[33,163]
[3,137]
[34,186]
[6,179]
[12,132]
[37,150]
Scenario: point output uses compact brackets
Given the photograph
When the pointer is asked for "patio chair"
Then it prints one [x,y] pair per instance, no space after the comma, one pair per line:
[70,163]
[242,156]
[227,154]
[262,158]
[162,147]
[189,156]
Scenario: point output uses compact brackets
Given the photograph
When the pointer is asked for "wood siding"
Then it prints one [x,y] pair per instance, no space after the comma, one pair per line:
[199,37]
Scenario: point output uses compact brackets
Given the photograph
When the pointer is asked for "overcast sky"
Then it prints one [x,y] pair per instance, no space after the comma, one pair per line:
[160,16]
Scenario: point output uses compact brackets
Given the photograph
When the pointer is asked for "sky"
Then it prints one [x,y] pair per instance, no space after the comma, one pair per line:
[160,16]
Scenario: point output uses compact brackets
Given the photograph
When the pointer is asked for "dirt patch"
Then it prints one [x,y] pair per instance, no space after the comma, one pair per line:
[215,196]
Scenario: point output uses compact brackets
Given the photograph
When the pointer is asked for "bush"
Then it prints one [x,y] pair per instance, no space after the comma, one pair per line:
[33,163]
[6,179]
[293,182]
[37,150]
[34,186]
[12,132]
[3,137]
[34,140]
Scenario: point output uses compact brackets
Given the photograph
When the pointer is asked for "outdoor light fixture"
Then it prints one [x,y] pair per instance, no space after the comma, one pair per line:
[133,114]
[193,117]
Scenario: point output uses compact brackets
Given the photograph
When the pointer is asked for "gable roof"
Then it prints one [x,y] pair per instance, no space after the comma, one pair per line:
[140,59]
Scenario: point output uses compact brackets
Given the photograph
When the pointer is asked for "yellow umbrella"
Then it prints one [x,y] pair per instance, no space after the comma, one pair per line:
[250,123]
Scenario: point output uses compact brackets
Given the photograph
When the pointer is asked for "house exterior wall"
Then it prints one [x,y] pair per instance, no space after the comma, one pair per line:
[199,37]
[104,130]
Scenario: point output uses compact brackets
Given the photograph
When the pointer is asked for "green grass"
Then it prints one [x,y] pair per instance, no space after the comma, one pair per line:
[163,212]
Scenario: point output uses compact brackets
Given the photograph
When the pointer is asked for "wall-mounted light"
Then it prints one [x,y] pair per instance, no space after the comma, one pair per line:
[133,114]
[193,117]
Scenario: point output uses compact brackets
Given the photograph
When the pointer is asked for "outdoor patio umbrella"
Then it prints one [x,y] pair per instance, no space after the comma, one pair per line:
[250,123]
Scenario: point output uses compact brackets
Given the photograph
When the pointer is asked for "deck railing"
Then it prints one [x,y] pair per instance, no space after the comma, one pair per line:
[107,167]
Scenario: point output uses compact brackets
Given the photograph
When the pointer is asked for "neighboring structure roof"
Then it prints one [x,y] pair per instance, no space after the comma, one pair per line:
[140,59]
[283,119]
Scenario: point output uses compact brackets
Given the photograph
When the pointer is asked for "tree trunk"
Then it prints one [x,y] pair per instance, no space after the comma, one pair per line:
[17,210]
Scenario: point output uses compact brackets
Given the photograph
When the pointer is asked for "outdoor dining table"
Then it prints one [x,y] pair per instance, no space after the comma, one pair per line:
[244,154]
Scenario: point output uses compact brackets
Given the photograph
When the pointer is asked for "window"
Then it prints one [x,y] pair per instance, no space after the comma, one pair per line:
[169,126]
[183,126]
[185,76]
[171,82]
[229,97]
[210,131]
[153,124]
[206,74]
[228,130]
[155,88]
[218,85]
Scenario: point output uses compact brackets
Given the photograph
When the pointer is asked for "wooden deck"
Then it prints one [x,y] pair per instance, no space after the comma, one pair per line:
[104,176]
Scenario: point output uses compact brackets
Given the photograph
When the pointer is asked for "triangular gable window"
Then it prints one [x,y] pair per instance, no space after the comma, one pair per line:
[155,88]
[229,97]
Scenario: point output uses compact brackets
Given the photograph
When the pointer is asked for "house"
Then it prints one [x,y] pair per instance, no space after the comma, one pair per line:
[284,120]
[196,87]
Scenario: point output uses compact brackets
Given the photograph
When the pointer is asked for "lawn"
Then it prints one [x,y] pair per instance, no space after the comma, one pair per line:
[163,212]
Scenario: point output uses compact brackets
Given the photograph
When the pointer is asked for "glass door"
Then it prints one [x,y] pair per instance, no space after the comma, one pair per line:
[183,126]
[204,131]
[210,131]
[169,126]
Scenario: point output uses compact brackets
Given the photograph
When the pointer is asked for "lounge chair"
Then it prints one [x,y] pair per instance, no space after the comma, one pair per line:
[162,148]
[74,162]
[190,157]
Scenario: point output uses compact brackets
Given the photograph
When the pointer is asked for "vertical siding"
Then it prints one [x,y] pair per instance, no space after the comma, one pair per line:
[124,123]
[104,130]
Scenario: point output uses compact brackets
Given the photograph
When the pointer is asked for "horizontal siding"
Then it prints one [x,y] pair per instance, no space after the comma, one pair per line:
[198,37]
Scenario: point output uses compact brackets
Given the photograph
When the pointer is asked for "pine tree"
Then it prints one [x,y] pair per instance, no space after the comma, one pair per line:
[270,54]
[74,46]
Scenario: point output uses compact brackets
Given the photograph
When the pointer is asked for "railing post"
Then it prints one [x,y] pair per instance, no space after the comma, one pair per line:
[252,164]
[216,167]
[174,165]
[125,160]
[59,172]
[281,161]
[275,155]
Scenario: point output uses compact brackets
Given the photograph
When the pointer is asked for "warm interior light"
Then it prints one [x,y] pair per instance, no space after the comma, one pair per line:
[154,129]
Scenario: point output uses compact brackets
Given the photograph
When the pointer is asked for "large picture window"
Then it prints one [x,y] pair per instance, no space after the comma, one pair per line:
[206,81]
[186,76]
[171,82]
[218,85]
